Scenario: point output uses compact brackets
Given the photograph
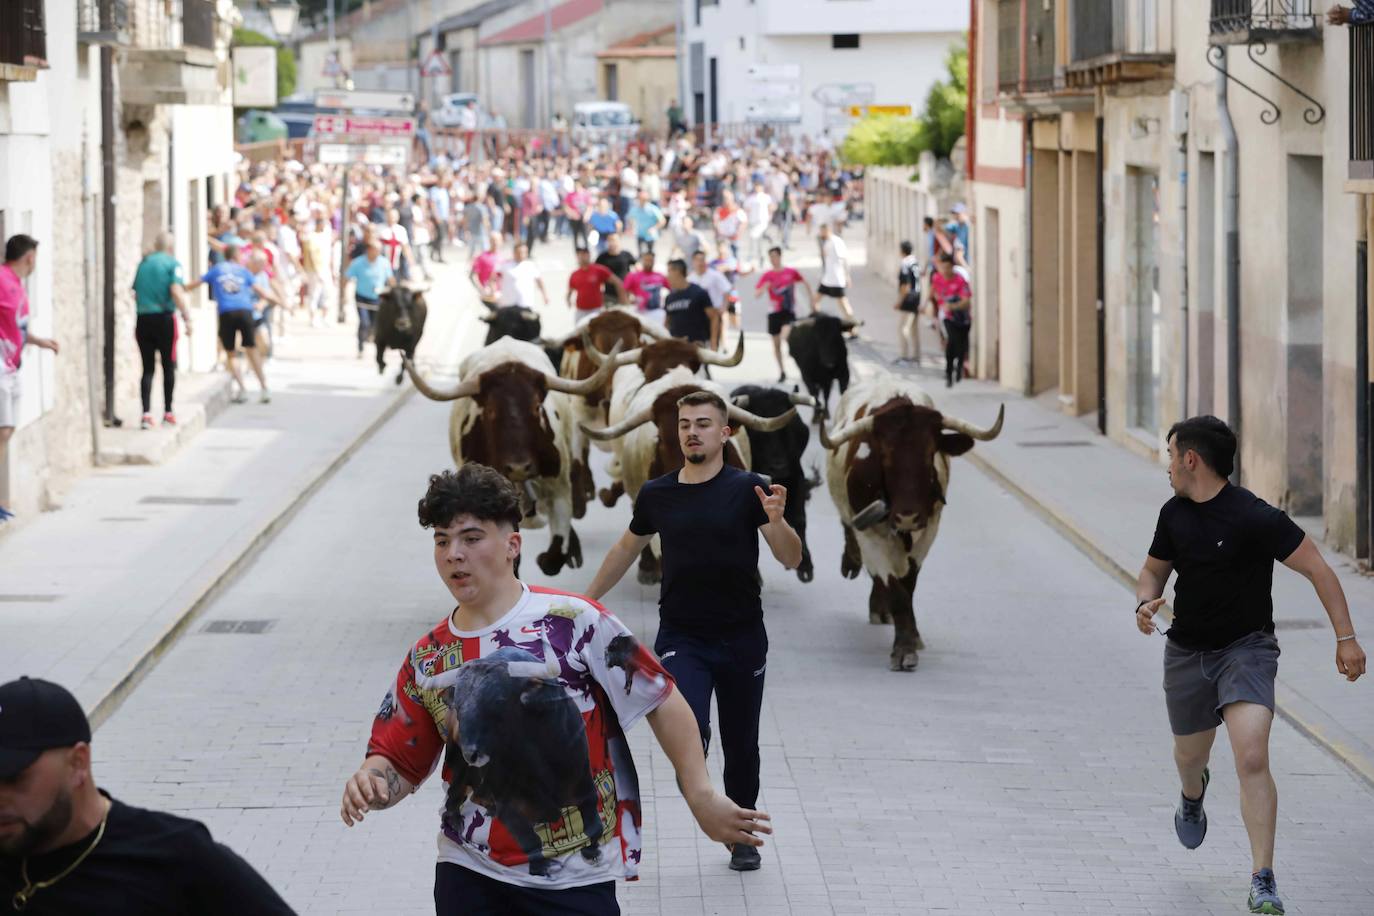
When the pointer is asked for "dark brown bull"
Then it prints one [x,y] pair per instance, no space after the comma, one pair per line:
[656,358]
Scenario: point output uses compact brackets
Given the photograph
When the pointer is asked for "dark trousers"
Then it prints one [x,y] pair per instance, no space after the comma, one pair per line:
[956,349]
[644,245]
[437,246]
[459,890]
[367,316]
[579,233]
[731,666]
[157,337]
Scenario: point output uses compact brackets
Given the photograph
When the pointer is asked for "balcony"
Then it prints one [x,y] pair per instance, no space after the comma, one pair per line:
[1120,44]
[23,40]
[1361,166]
[185,71]
[1243,22]
[1029,79]
[102,22]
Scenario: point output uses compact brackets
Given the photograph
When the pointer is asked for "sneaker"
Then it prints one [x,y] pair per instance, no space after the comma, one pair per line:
[5,515]
[1264,893]
[169,419]
[266,397]
[782,377]
[240,397]
[146,422]
[1190,821]
[747,858]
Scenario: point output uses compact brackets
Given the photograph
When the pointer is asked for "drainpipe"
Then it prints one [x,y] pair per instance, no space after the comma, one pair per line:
[1179,111]
[1362,387]
[107,207]
[1101,273]
[1230,228]
[971,105]
[90,246]
[1028,346]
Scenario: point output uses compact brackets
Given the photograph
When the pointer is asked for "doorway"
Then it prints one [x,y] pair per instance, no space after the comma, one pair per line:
[1303,348]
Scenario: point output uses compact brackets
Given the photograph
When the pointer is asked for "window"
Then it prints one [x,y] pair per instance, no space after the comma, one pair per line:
[1143,324]
[700,4]
[844,42]
[23,40]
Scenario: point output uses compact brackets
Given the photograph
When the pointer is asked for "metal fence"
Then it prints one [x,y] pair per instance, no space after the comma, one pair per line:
[1008,45]
[1039,47]
[23,39]
[1362,101]
[1265,15]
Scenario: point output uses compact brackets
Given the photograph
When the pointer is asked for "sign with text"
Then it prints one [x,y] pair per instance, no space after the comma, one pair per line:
[365,99]
[393,154]
[351,129]
[861,111]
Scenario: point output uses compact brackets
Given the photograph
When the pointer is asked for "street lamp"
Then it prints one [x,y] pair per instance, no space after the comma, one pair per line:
[283,14]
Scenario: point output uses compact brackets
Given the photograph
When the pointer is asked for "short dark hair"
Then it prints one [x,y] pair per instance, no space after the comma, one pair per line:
[474,489]
[581,249]
[945,257]
[678,265]
[1212,439]
[18,246]
[698,398]
[775,250]
[928,222]
[906,248]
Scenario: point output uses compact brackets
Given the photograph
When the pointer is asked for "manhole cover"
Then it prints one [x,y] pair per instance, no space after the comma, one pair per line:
[238,626]
[188,501]
[1055,443]
[29,599]
[1300,624]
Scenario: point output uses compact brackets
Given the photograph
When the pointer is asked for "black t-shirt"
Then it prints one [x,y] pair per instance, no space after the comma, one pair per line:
[147,864]
[1223,551]
[618,264]
[687,315]
[710,537]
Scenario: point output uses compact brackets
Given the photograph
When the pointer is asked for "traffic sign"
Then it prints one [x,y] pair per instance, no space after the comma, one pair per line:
[393,154]
[775,73]
[773,111]
[435,65]
[368,99]
[332,67]
[355,129]
[860,111]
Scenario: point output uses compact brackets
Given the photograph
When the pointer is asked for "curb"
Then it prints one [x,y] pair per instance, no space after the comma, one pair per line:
[104,707]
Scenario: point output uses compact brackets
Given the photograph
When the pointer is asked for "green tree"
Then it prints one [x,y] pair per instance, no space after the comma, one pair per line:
[893,140]
[286,61]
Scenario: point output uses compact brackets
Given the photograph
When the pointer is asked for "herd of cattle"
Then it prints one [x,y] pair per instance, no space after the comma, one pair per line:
[532,408]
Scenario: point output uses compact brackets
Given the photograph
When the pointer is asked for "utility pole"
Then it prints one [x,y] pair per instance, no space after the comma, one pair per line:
[548,63]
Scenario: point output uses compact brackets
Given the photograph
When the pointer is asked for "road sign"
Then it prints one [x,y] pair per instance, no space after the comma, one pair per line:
[775,73]
[860,111]
[255,76]
[356,129]
[435,65]
[844,94]
[332,67]
[773,111]
[394,154]
[368,99]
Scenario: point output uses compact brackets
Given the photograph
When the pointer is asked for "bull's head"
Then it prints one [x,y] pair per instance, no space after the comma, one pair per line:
[513,321]
[409,303]
[894,456]
[656,358]
[595,337]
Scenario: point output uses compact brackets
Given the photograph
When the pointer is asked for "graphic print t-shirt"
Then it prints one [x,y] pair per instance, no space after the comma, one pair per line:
[609,681]
[647,287]
[781,285]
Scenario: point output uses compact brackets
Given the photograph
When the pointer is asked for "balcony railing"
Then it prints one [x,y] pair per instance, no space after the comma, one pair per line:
[1245,21]
[1039,47]
[101,22]
[198,22]
[23,40]
[1362,102]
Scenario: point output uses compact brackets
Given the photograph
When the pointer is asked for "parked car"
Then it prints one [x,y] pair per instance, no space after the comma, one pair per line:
[449,111]
[256,126]
[602,122]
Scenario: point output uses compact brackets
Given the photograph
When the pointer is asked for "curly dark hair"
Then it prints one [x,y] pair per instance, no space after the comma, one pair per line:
[474,489]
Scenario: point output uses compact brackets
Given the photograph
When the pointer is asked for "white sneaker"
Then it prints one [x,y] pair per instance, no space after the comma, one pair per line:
[266,397]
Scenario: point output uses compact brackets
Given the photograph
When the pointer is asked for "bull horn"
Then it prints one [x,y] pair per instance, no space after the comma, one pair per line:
[801,400]
[973,432]
[654,330]
[587,385]
[634,421]
[741,401]
[857,428]
[466,388]
[738,417]
[597,357]
[712,358]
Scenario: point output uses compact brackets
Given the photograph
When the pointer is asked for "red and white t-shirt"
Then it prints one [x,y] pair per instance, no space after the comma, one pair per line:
[518,723]
[781,283]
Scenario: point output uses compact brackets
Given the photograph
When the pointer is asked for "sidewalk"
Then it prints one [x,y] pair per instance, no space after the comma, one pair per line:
[92,594]
[1106,500]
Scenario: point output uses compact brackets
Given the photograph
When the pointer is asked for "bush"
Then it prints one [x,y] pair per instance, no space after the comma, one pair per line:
[893,140]
[286,61]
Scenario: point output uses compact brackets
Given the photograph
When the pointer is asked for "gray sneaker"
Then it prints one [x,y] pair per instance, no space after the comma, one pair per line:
[1190,821]
[1264,893]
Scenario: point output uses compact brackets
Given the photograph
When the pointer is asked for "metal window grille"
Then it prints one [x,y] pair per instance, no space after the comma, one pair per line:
[1264,15]
[23,39]
[1362,101]
[1008,45]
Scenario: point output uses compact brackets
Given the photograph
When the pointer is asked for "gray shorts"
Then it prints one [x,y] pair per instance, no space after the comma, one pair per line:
[10,390]
[1197,685]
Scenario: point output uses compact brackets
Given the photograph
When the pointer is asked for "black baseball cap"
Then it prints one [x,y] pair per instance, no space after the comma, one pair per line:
[36,716]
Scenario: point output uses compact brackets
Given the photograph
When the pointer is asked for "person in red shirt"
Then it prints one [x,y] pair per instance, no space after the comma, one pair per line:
[781,283]
[953,297]
[585,286]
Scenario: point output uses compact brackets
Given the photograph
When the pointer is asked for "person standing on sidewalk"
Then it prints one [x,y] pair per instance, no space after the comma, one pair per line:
[527,730]
[1222,657]
[159,293]
[951,295]
[909,305]
[67,847]
[711,636]
[21,254]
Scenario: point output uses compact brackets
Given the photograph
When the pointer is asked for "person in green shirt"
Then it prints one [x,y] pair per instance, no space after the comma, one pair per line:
[160,292]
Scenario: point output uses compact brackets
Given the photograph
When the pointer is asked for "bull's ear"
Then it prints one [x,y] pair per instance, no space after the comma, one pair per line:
[954,444]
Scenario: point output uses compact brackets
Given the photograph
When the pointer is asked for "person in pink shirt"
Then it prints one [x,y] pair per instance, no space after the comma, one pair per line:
[577,207]
[951,295]
[484,271]
[781,283]
[647,286]
[21,254]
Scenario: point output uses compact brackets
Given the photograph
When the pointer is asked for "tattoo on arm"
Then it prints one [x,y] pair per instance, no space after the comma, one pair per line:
[393,787]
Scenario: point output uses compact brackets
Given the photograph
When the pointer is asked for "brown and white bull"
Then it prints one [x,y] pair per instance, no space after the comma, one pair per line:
[650,446]
[514,413]
[887,466]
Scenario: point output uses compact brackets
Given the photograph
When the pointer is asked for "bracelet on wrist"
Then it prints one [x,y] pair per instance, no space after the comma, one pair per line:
[1141,605]
[1345,638]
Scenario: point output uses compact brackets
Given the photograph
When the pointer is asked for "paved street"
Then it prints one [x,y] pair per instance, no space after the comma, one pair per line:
[1024,767]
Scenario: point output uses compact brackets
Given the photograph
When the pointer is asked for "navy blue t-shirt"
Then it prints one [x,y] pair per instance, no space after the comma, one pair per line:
[710,537]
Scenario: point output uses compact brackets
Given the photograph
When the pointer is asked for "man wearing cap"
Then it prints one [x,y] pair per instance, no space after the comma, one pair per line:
[957,227]
[68,847]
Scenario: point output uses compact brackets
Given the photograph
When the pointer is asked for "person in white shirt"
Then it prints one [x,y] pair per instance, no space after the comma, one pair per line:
[758,208]
[520,279]
[629,189]
[835,268]
[716,286]
[652,182]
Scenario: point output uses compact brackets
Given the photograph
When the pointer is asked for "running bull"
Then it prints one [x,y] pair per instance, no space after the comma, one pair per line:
[887,466]
[818,348]
[651,448]
[400,321]
[514,414]
[519,746]
[520,323]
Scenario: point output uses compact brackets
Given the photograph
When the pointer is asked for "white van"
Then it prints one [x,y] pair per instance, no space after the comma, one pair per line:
[602,122]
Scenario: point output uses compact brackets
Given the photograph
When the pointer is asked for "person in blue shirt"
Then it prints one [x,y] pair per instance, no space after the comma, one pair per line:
[235,292]
[371,275]
[957,228]
[648,219]
[605,222]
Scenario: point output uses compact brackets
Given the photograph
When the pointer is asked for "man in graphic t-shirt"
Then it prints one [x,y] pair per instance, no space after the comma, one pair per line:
[781,283]
[648,287]
[524,695]
[711,637]
[1222,657]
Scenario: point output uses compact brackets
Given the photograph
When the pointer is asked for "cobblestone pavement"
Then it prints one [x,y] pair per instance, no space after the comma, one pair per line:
[1024,767]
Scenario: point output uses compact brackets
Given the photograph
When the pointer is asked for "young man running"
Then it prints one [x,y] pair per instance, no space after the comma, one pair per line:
[835,269]
[781,282]
[648,286]
[526,694]
[1222,656]
[233,288]
[483,271]
[585,287]
[711,636]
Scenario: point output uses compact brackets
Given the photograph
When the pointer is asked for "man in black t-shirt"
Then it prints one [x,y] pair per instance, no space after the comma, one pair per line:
[688,306]
[1222,657]
[711,636]
[618,261]
[68,847]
